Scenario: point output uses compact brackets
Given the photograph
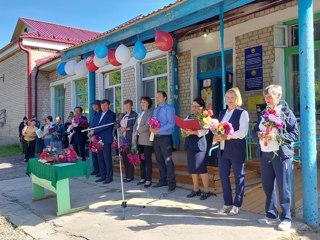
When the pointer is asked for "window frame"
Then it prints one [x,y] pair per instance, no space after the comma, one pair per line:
[155,78]
[106,79]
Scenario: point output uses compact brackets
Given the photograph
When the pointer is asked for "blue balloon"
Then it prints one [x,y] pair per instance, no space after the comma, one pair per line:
[60,69]
[101,51]
[139,51]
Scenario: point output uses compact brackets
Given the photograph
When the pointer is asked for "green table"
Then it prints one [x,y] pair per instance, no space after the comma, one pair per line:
[56,179]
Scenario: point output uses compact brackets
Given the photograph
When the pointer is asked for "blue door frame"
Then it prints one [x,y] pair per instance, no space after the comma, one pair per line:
[211,74]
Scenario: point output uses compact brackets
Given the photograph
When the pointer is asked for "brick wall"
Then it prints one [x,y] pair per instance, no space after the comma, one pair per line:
[13,95]
[263,37]
[129,84]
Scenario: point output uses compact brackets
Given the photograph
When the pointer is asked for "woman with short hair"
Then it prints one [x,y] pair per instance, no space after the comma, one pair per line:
[275,151]
[125,131]
[142,139]
[29,135]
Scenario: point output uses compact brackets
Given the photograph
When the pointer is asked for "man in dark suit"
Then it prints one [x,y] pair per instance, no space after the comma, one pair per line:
[106,116]
[97,109]
[79,138]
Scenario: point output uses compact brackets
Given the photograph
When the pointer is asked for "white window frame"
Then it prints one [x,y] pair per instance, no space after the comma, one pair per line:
[107,86]
[155,77]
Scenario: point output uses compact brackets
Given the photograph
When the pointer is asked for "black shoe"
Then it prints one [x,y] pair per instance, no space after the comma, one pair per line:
[205,195]
[172,188]
[100,179]
[98,175]
[108,180]
[194,193]
[142,181]
[148,185]
[94,173]
[160,185]
[127,180]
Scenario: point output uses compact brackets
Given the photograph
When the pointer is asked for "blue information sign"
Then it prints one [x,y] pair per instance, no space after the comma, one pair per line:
[253,68]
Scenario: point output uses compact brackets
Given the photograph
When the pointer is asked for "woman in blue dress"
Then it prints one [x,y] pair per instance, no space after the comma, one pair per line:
[196,146]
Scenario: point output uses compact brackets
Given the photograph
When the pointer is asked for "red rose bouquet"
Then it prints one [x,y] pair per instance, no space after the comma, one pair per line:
[133,156]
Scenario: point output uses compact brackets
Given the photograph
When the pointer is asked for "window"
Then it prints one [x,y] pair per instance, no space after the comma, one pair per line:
[113,90]
[154,78]
[212,62]
[294,33]
[59,101]
[82,95]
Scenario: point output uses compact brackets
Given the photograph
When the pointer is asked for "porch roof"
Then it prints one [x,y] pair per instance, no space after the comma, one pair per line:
[175,16]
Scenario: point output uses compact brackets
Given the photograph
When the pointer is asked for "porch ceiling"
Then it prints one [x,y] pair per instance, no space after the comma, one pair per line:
[180,16]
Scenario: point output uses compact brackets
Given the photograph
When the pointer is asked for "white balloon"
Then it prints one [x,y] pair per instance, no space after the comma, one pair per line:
[122,54]
[81,69]
[100,62]
[69,67]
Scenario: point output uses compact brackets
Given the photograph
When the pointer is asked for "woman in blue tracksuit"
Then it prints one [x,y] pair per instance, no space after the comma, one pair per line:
[276,159]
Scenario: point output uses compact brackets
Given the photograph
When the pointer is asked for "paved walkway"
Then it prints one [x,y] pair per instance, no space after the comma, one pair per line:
[165,216]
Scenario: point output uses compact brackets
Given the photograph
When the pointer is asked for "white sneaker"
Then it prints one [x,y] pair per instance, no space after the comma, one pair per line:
[284,226]
[269,221]
[225,209]
[234,211]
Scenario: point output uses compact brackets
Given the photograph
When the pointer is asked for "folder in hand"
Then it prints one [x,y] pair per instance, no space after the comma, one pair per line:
[192,124]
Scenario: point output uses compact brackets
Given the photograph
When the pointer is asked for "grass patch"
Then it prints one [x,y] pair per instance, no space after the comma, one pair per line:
[10,150]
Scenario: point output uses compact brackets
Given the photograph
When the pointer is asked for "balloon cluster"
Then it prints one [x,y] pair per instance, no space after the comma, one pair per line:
[121,55]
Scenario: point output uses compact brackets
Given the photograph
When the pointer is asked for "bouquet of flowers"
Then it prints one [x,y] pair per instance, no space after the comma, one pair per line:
[204,118]
[124,145]
[48,154]
[155,124]
[272,120]
[133,156]
[51,129]
[80,122]
[221,128]
[95,144]
[71,155]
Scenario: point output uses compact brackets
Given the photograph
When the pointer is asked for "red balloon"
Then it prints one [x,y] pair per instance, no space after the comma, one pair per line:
[90,64]
[164,40]
[112,58]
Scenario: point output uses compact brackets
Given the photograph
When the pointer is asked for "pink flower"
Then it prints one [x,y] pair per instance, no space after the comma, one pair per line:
[142,156]
[154,123]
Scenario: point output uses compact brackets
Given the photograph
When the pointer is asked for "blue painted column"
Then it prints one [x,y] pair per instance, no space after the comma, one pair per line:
[223,66]
[91,98]
[308,113]
[175,91]
[92,92]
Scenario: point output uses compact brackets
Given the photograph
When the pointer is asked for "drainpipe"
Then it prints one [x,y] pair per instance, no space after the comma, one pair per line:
[175,91]
[29,78]
[36,93]
[223,67]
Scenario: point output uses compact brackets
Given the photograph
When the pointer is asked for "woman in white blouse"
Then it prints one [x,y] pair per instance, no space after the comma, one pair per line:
[232,151]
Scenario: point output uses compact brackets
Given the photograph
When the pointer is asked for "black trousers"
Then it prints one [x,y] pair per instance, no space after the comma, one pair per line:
[80,150]
[128,167]
[30,148]
[146,163]
[162,147]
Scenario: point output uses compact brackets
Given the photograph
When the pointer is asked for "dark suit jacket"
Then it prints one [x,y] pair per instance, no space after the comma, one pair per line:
[78,136]
[106,133]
